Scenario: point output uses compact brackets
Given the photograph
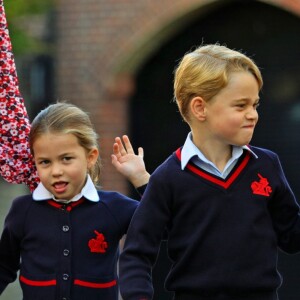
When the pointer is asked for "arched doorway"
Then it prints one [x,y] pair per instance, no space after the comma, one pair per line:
[272,37]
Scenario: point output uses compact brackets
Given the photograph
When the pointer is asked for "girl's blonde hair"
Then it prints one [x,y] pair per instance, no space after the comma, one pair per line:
[67,118]
[205,71]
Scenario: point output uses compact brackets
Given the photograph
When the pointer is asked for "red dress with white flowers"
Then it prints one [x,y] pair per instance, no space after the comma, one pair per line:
[16,163]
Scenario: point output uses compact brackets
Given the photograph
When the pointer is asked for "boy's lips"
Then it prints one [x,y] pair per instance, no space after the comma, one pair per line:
[249,126]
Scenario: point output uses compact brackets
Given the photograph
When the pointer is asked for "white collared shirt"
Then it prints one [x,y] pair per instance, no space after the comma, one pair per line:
[88,191]
[190,152]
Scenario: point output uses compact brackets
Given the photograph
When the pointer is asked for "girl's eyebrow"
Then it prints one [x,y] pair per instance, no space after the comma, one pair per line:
[66,154]
[40,157]
[60,155]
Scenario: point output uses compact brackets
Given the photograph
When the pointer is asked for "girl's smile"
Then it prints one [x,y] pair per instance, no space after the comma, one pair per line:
[60,187]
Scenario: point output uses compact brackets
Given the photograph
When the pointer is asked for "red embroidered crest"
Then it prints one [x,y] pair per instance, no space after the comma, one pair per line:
[261,187]
[98,245]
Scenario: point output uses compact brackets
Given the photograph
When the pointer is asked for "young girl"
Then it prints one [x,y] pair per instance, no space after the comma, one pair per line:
[66,234]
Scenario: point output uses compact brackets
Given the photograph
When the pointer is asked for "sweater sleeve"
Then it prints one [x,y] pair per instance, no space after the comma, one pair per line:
[285,214]
[121,208]
[16,163]
[143,242]
[11,240]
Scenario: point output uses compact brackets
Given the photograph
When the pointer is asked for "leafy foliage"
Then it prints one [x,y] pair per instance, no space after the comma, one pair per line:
[16,10]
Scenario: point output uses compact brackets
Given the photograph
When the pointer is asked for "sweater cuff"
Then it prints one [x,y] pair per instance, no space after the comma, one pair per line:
[141,189]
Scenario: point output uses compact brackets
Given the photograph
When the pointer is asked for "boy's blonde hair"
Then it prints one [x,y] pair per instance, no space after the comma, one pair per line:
[205,71]
[67,118]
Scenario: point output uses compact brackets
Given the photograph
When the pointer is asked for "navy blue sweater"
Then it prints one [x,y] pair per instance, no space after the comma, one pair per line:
[223,235]
[67,251]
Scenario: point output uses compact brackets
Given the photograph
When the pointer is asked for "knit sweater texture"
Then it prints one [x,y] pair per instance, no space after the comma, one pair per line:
[65,252]
[223,235]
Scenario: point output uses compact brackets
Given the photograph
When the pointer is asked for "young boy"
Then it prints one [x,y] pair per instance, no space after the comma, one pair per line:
[226,205]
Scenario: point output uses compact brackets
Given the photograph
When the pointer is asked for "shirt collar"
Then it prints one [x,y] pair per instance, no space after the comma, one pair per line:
[190,150]
[88,191]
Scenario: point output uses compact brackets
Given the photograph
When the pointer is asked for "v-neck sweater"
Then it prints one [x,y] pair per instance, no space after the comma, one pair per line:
[65,251]
[223,234]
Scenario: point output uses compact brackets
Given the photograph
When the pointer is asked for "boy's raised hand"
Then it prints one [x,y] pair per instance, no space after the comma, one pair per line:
[128,163]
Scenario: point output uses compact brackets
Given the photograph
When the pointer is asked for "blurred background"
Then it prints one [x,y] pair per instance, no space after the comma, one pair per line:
[115,59]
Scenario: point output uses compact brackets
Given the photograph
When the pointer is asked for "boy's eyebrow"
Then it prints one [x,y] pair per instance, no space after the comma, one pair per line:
[246,99]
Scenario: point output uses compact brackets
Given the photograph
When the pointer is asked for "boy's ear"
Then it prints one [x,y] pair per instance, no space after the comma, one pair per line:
[198,108]
[92,157]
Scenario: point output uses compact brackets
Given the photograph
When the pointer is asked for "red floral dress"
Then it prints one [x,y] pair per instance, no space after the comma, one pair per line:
[16,163]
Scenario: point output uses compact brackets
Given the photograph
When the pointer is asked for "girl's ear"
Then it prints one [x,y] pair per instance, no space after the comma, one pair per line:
[92,157]
[198,108]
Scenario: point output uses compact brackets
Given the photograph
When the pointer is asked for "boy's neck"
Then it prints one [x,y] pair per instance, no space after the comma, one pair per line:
[218,153]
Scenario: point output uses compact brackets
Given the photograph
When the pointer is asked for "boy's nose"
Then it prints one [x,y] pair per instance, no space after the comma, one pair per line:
[252,114]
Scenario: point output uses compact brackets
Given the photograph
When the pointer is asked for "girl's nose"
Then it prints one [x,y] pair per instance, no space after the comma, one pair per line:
[57,170]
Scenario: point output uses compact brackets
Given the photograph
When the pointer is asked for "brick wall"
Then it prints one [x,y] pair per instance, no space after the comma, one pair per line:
[100,46]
